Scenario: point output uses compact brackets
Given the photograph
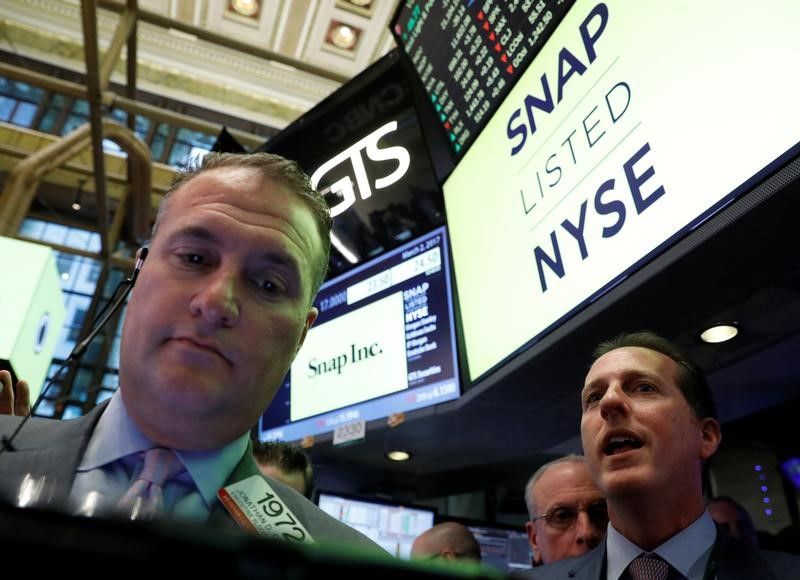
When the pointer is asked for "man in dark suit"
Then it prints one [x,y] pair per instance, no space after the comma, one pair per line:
[222,304]
[648,426]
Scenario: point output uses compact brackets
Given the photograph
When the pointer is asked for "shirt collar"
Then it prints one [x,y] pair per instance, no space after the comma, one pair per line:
[687,551]
[116,436]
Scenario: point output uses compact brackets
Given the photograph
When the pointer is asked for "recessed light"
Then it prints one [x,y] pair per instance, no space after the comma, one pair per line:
[398,455]
[721,332]
[245,7]
[343,36]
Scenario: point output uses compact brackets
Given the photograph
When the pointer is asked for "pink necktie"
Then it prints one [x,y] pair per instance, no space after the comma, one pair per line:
[648,567]
[144,498]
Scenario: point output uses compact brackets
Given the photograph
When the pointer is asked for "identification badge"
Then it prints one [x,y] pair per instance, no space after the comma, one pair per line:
[257,508]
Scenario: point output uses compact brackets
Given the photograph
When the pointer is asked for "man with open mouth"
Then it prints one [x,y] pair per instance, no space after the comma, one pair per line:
[648,426]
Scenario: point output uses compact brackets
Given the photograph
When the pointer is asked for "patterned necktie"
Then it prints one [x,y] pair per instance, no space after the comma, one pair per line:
[144,498]
[648,567]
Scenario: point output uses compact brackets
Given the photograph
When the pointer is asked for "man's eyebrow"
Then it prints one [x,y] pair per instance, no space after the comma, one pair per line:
[627,377]
[197,233]
[269,256]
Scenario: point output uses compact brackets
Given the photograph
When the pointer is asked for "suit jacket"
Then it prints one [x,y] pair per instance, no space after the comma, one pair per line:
[50,452]
[736,561]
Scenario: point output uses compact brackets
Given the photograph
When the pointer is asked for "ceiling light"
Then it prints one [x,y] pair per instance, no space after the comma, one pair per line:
[721,332]
[398,455]
[245,7]
[343,36]
[76,205]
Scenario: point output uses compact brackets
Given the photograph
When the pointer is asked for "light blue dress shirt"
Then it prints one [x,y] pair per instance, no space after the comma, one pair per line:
[111,463]
[687,551]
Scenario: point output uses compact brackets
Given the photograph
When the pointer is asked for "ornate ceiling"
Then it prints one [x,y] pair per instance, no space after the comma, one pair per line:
[265,61]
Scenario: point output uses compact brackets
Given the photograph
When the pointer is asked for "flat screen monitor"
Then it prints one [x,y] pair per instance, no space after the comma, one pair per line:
[634,124]
[503,547]
[468,55]
[364,149]
[392,526]
[384,343]
[791,470]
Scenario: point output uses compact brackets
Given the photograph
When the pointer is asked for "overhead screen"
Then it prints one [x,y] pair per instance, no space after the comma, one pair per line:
[392,526]
[469,54]
[364,150]
[384,343]
[634,123]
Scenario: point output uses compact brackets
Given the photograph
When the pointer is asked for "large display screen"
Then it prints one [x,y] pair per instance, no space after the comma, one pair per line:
[469,54]
[503,547]
[364,150]
[384,343]
[392,526]
[635,123]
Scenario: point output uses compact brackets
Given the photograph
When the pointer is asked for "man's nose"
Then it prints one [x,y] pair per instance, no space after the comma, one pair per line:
[216,300]
[586,532]
[614,401]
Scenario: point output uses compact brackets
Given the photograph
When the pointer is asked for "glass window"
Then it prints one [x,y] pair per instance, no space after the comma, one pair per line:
[24,114]
[28,92]
[67,268]
[142,127]
[113,355]
[32,228]
[80,387]
[19,102]
[46,408]
[52,113]
[7,106]
[103,394]
[86,280]
[78,239]
[54,234]
[159,141]
[72,123]
[111,381]
[190,147]
[72,412]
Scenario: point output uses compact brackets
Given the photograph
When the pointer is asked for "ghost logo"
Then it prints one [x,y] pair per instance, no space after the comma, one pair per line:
[40,337]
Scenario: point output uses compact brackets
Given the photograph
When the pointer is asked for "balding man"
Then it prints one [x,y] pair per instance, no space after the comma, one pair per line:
[449,540]
[567,511]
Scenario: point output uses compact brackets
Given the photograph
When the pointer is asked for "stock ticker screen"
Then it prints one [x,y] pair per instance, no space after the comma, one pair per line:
[469,53]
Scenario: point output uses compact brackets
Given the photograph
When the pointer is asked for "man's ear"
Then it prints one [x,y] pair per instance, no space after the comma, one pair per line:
[447,554]
[311,316]
[711,437]
[530,527]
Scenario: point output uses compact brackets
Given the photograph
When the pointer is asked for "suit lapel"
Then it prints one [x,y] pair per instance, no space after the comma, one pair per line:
[591,566]
[219,516]
[739,560]
[49,453]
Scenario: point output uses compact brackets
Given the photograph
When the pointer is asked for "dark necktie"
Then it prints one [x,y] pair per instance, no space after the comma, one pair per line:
[648,567]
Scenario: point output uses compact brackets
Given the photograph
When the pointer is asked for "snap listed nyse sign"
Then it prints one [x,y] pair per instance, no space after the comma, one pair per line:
[614,140]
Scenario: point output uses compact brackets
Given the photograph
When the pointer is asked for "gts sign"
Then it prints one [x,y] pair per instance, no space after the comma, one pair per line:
[344,186]
[518,127]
